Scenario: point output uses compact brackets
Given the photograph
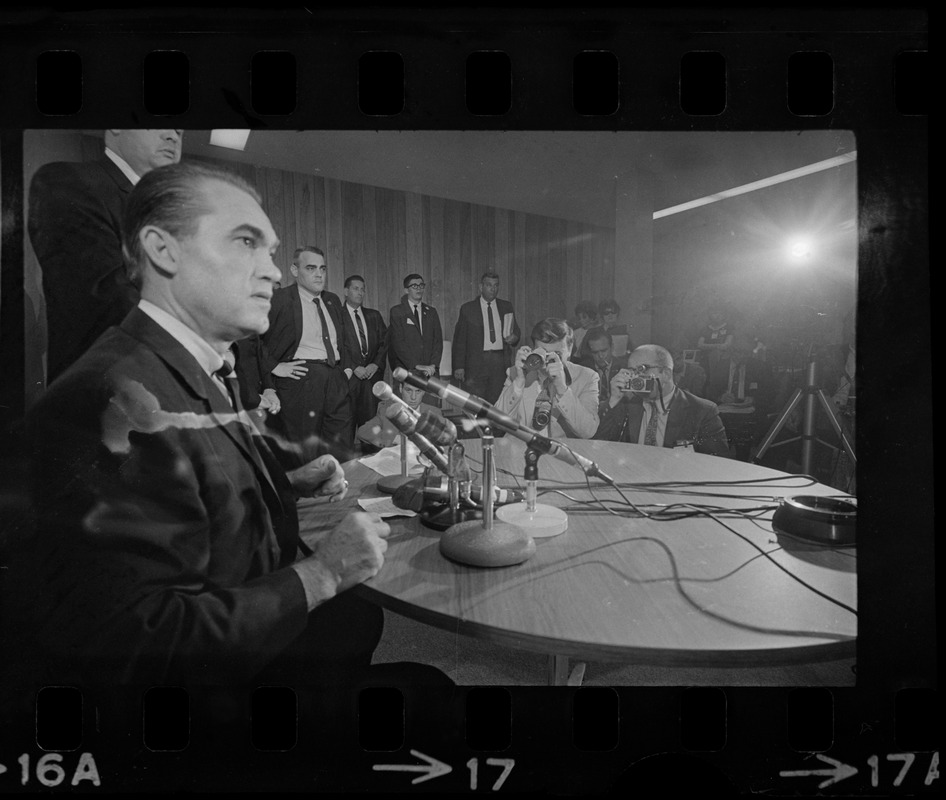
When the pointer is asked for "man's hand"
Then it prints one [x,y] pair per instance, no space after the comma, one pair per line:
[370,370]
[269,401]
[519,368]
[556,371]
[618,382]
[290,369]
[321,477]
[427,369]
[348,555]
[460,374]
[361,373]
[510,339]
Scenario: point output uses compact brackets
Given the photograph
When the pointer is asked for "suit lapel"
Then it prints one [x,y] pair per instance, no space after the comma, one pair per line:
[635,413]
[675,419]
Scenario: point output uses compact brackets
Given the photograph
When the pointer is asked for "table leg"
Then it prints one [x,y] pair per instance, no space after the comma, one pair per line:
[559,674]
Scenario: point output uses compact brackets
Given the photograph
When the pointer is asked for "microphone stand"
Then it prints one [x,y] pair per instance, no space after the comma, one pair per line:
[441,517]
[539,519]
[389,484]
[486,542]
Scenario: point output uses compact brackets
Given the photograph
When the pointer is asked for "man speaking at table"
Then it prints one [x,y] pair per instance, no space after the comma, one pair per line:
[663,415]
[166,536]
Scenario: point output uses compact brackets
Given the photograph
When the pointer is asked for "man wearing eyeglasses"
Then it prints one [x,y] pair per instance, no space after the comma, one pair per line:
[653,410]
[415,336]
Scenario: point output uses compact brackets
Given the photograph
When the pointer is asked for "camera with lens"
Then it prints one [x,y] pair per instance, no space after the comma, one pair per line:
[537,359]
[640,383]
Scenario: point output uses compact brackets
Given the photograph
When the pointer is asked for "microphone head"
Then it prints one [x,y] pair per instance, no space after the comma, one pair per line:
[401,416]
[382,391]
[438,429]
[400,374]
[410,495]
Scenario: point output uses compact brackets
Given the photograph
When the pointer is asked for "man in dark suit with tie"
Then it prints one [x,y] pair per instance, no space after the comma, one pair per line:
[366,340]
[306,341]
[483,340]
[415,337]
[661,414]
[166,537]
[605,363]
[74,223]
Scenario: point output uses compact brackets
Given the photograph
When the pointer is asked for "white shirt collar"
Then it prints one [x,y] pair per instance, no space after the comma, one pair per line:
[123,165]
[208,358]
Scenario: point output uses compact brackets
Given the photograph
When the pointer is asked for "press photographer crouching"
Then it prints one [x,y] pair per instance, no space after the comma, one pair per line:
[647,407]
[547,392]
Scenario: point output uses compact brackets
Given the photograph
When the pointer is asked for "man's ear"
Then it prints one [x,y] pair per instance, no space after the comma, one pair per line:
[163,249]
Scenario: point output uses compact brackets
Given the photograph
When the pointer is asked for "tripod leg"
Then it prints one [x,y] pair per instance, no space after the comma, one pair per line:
[778,425]
[836,424]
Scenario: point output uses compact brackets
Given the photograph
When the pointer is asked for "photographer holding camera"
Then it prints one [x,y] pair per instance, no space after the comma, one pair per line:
[546,391]
[647,407]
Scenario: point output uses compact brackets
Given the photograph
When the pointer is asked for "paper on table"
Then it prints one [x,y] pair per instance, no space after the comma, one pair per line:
[388,461]
[384,507]
[507,325]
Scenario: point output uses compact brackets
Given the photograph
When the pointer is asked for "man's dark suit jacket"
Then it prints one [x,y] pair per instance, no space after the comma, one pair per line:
[604,388]
[691,419]
[74,222]
[406,346]
[163,534]
[253,363]
[281,340]
[377,340]
[468,336]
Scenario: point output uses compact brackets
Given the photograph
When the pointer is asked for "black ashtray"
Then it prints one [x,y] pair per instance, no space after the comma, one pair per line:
[828,521]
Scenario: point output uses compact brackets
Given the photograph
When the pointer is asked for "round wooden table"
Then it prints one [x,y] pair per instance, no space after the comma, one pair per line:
[682,592]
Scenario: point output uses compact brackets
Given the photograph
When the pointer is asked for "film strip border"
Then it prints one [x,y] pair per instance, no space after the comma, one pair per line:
[598,69]
[590,70]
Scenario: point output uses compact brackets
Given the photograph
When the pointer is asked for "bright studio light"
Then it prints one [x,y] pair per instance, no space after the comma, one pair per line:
[800,250]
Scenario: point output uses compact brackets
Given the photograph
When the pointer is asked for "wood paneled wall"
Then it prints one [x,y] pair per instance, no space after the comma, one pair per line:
[545,265]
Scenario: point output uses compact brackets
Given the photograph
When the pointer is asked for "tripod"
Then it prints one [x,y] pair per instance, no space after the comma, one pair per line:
[812,393]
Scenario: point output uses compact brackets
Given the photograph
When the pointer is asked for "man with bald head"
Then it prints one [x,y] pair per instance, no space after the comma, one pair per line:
[660,413]
[166,548]
[74,221]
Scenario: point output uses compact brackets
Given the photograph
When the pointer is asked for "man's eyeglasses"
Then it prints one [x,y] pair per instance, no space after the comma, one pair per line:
[416,285]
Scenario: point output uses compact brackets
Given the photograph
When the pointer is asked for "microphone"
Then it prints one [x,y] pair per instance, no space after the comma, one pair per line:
[476,405]
[418,492]
[406,424]
[440,431]
[382,391]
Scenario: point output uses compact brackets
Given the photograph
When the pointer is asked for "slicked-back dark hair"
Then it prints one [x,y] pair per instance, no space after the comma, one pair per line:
[552,329]
[171,198]
[351,278]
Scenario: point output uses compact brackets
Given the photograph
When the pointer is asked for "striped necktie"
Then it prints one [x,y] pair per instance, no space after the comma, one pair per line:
[650,435]
[361,333]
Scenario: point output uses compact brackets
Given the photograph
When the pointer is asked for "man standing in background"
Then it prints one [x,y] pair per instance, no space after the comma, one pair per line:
[74,222]
[483,340]
[306,341]
[366,341]
[415,337]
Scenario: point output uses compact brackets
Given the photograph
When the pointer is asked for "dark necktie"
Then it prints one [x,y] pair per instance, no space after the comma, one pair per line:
[417,319]
[326,339]
[492,327]
[223,374]
[650,434]
[361,333]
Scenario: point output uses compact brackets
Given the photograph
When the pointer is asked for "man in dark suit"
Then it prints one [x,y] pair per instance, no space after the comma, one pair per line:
[166,536]
[367,343]
[605,363]
[483,340]
[306,340]
[662,414]
[415,337]
[74,222]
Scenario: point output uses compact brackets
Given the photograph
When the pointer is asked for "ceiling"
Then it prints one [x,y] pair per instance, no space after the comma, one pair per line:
[569,175]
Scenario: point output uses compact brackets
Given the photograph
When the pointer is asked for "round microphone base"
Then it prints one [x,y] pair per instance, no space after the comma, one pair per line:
[545,521]
[389,484]
[502,545]
[442,517]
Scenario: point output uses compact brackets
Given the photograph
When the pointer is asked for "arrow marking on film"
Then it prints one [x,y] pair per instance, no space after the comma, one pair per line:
[433,767]
[838,771]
